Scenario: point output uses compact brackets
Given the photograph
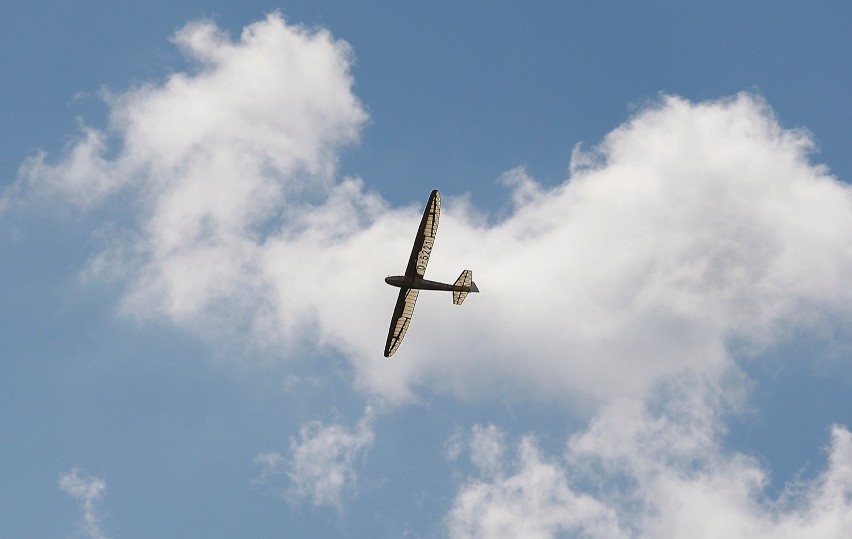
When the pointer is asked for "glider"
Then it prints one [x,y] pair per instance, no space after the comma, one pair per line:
[413,282]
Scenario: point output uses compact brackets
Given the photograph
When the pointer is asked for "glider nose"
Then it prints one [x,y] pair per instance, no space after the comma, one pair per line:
[396,280]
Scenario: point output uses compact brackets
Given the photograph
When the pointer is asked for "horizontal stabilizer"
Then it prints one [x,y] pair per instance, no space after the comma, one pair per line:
[463,286]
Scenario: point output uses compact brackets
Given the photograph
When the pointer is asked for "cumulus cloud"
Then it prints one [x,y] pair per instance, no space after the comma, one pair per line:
[687,228]
[322,462]
[216,159]
[535,501]
[690,226]
[638,473]
[87,491]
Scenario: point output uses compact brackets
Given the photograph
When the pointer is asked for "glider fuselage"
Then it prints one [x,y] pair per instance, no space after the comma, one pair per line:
[401,281]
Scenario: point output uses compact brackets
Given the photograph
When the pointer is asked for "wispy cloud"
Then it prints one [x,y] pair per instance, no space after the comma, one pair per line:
[87,491]
[534,501]
[635,472]
[321,466]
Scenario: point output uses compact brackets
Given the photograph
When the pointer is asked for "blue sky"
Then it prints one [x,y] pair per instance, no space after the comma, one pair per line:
[200,202]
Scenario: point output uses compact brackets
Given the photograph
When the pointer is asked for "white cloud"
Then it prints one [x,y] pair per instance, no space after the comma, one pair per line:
[216,160]
[696,224]
[691,225]
[487,445]
[84,177]
[322,462]
[87,491]
[637,472]
[535,502]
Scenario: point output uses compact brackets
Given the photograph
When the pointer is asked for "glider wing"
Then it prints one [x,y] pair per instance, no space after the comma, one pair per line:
[401,319]
[425,238]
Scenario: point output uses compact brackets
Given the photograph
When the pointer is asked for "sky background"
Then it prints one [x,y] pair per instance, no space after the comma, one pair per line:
[200,201]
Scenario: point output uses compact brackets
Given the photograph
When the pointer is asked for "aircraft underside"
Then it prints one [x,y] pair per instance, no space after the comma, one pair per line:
[413,282]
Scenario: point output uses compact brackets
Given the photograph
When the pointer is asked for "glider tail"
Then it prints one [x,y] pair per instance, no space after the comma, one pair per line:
[463,286]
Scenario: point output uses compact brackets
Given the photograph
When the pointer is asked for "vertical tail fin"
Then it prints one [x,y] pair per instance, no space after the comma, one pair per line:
[463,285]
